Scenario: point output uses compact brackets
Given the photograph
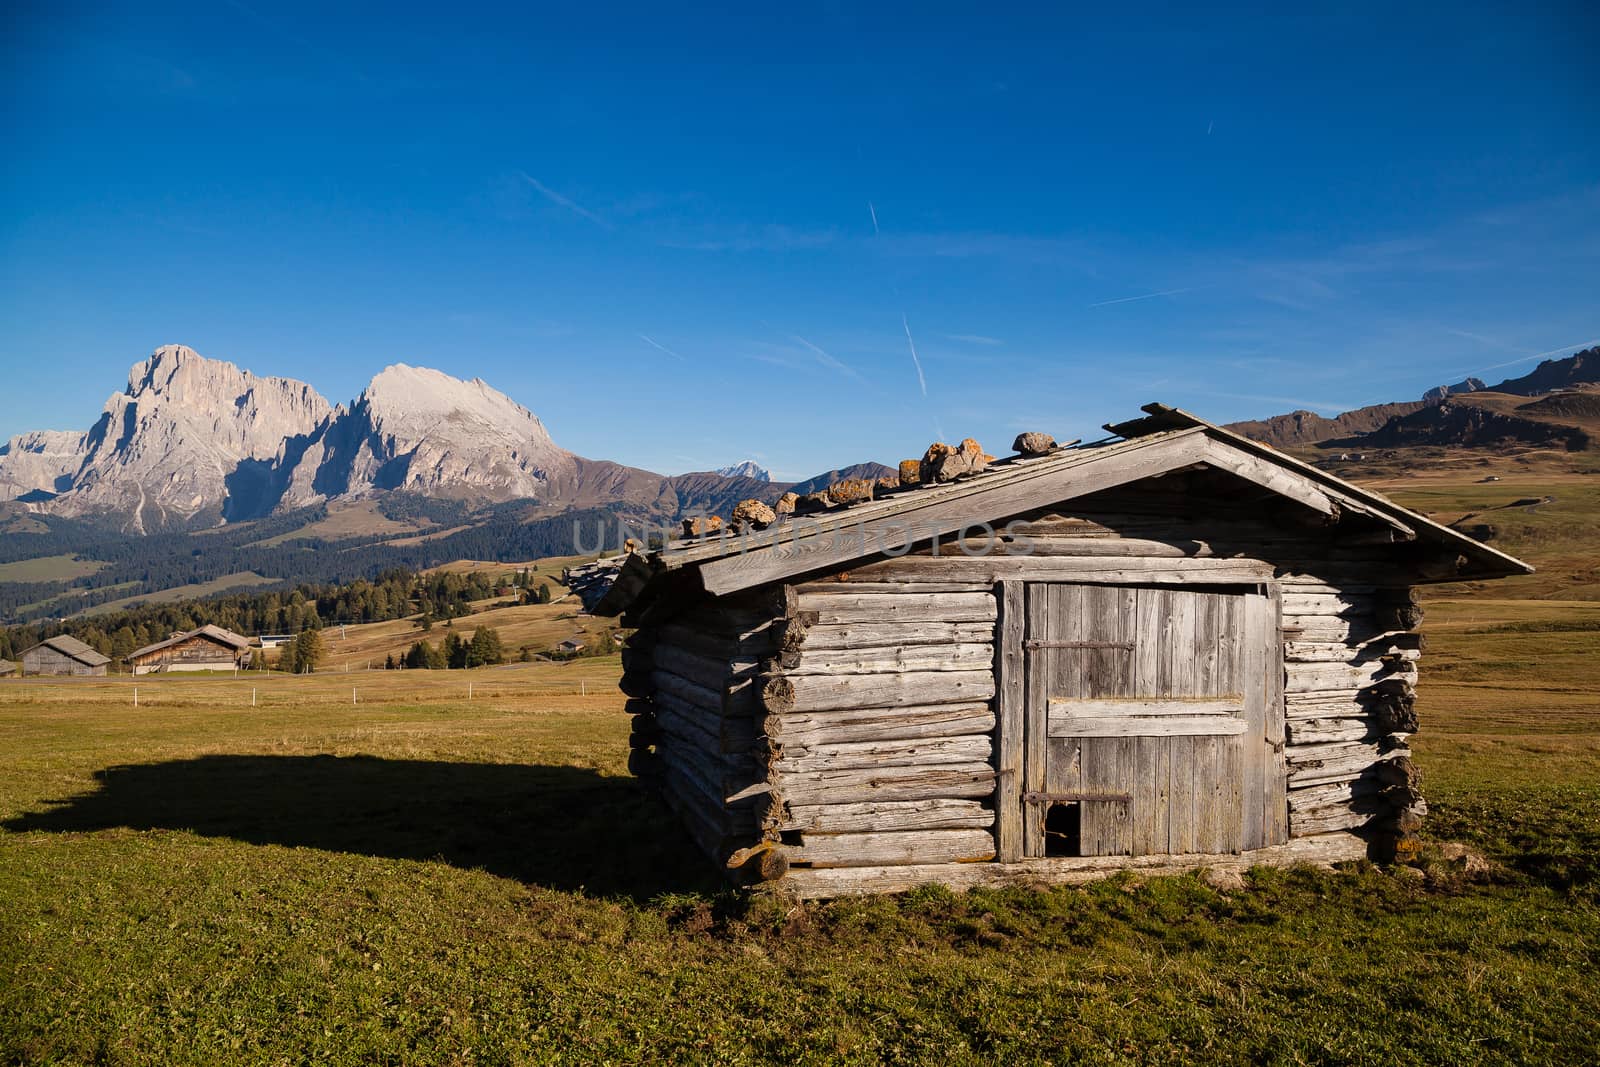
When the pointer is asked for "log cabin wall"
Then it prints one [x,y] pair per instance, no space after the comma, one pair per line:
[693,684]
[878,726]
[848,724]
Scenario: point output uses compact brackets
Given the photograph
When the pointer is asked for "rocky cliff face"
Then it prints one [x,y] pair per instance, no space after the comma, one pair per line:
[40,464]
[421,431]
[163,450]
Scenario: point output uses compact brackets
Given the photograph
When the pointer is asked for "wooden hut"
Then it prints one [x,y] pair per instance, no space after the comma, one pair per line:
[63,655]
[7,668]
[1170,649]
[210,648]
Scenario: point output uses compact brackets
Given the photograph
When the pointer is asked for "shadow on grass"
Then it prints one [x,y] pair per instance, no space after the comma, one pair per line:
[562,827]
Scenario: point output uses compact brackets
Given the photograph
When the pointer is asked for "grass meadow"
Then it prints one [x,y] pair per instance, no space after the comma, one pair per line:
[423,878]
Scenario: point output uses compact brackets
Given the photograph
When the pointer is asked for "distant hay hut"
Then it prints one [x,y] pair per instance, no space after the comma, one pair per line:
[63,655]
[1174,648]
[210,648]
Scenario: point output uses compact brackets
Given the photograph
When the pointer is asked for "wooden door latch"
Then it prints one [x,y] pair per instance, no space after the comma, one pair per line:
[1032,797]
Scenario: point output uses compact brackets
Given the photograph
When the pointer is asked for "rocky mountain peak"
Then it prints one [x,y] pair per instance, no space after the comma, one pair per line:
[746,469]
[1440,392]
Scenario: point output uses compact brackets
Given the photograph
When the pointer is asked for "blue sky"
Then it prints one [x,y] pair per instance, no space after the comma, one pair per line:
[684,239]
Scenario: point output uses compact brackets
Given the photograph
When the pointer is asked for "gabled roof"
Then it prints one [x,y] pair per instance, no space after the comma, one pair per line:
[211,633]
[73,648]
[1166,440]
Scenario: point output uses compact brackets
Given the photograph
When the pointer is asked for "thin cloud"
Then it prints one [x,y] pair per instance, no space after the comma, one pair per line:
[917,362]
[653,343]
[1541,355]
[1146,296]
[874,213]
[1313,405]
[1482,340]
[828,360]
[563,201]
[974,339]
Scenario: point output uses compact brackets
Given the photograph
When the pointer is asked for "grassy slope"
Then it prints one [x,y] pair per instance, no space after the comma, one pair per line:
[539,627]
[49,569]
[223,584]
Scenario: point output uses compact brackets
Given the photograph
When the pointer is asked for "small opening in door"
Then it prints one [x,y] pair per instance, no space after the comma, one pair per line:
[1061,830]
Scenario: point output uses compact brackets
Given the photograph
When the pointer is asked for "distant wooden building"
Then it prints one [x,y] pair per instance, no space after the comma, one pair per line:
[210,648]
[1170,649]
[63,655]
[571,644]
[7,668]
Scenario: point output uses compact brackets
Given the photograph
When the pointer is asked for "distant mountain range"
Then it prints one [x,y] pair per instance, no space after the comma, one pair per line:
[192,442]
[1469,413]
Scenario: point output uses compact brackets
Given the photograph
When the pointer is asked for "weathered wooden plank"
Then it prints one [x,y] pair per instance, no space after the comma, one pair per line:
[1340,652]
[889,660]
[1036,760]
[1319,731]
[1084,569]
[936,814]
[712,644]
[739,698]
[888,849]
[1338,605]
[848,584]
[1107,828]
[1073,708]
[835,609]
[1010,709]
[891,635]
[1275,781]
[822,692]
[1304,825]
[1147,726]
[867,754]
[732,734]
[1314,677]
[1152,758]
[1324,849]
[1210,830]
[888,783]
[878,724]
[1341,794]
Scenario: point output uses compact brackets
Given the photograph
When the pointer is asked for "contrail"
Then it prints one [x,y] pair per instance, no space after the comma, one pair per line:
[653,343]
[1540,355]
[1147,296]
[566,202]
[874,212]
[920,379]
[827,360]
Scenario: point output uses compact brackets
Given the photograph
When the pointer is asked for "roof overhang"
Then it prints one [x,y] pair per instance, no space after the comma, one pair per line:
[1167,440]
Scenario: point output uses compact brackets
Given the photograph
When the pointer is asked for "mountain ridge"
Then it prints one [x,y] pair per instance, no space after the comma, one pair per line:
[1460,414]
[192,442]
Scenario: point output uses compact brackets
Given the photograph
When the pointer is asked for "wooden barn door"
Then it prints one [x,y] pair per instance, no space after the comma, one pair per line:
[1153,721]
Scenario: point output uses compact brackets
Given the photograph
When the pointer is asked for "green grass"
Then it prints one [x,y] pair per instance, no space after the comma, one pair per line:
[49,569]
[222,584]
[196,882]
